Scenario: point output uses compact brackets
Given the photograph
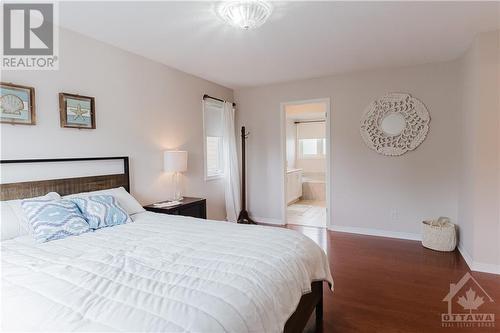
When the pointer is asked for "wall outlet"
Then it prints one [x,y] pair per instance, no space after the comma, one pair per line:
[394,215]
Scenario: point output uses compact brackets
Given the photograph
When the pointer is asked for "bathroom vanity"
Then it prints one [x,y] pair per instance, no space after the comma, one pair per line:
[293,185]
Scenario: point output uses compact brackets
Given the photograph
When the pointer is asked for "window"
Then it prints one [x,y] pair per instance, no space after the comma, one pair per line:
[309,146]
[213,135]
[214,163]
[312,148]
[311,140]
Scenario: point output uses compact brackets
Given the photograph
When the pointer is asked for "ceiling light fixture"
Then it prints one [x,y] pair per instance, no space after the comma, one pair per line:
[249,14]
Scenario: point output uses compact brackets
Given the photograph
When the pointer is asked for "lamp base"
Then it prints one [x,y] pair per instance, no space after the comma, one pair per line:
[176,177]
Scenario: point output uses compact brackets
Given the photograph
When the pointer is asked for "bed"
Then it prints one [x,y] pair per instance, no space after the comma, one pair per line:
[160,273]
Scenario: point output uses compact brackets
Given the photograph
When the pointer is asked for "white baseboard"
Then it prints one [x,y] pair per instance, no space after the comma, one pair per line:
[376,232]
[486,268]
[466,256]
[478,266]
[267,220]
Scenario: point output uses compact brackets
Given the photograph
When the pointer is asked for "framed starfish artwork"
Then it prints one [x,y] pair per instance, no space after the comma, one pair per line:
[77,111]
[17,104]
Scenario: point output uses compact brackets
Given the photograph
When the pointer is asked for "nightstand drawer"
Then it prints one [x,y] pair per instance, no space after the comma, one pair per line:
[193,207]
[193,211]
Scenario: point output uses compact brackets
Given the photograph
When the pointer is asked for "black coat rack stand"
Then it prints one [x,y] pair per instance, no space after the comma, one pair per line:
[244,218]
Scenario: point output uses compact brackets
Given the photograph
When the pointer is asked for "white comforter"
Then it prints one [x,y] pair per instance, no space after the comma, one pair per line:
[160,273]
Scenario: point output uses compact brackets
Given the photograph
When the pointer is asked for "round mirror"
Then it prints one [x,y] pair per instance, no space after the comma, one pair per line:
[393,124]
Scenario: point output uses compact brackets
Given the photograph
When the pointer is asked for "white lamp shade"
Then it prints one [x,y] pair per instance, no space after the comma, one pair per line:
[175,161]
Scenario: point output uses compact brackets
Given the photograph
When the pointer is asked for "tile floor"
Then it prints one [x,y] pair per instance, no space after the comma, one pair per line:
[307,213]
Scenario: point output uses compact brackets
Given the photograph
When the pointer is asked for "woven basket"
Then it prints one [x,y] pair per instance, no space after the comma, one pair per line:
[439,235]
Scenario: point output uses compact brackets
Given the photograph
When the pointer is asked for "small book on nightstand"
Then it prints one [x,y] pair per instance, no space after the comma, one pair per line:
[165,204]
[194,207]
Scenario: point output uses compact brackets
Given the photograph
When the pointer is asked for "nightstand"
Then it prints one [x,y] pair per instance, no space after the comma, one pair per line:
[194,207]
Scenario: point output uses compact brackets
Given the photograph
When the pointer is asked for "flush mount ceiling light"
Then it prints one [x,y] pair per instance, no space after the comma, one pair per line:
[249,14]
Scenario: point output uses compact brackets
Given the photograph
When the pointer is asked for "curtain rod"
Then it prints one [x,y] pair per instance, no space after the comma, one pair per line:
[308,121]
[215,98]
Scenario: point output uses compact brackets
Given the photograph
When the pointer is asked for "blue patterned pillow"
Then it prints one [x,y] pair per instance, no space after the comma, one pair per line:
[53,219]
[101,210]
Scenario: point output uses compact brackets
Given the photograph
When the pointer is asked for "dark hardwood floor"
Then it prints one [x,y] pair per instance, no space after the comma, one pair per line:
[391,285]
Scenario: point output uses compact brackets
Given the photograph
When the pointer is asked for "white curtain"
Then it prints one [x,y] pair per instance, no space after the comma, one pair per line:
[231,169]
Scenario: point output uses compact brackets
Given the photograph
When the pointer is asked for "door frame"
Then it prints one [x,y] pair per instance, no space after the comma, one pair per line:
[328,171]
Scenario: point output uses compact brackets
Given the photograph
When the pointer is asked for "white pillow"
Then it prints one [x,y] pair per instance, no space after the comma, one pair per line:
[13,217]
[11,228]
[125,199]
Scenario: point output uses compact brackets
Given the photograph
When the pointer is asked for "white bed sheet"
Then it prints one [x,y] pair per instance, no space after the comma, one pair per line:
[160,273]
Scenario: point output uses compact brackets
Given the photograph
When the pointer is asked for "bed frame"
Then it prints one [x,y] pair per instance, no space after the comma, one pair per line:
[65,186]
[11,191]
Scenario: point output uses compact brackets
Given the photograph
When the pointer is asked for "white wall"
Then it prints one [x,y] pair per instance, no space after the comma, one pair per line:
[312,165]
[370,191]
[479,201]
[142,108]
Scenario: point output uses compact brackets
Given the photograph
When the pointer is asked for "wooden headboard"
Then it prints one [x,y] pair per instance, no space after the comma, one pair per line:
[19,190]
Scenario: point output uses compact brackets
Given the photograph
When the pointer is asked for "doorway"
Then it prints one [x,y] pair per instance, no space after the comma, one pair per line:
[306,150]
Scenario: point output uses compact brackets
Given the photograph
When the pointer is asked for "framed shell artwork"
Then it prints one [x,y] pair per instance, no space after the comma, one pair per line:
[395,124]
[17,104]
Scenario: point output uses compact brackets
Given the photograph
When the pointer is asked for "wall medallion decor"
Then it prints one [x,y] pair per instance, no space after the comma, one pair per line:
[395,124]
[76,111]
[17,104]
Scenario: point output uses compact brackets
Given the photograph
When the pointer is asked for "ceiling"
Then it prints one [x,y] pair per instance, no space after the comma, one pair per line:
[300,40]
